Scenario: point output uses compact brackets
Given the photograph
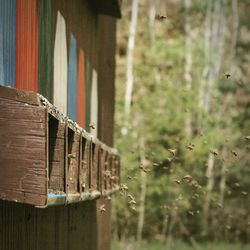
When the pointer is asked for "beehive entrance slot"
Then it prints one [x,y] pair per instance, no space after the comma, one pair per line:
[73,161]
[56,154]
[83,166]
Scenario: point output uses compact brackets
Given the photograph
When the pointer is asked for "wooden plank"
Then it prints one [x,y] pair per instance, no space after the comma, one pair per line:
[56,154]
[72,80]
[45,50]
[81,92]
[94,169]
[23,152]
[7,42]
[103,225]
[94,104]
[60,65]
[106,77]
[84,171]
[73,161]
[19,95]
[26,45]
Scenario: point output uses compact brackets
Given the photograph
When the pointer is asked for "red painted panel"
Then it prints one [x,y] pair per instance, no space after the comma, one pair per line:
[81,91]
[26,45]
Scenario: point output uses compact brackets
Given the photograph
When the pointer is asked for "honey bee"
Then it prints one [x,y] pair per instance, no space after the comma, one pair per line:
[172,151]
[227,75]
[234,153]
[190,146]
[160,17]
[102,208]
[92,125]
[214,152]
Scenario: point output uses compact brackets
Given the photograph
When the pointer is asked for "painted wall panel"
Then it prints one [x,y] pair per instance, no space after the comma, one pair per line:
[26,45]
[81,92]
[88,93]
[94,104]
[7,42]
[60,65]
[45,50]
[72,79]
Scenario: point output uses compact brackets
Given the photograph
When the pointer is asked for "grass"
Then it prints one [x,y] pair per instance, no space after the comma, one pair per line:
[180,246]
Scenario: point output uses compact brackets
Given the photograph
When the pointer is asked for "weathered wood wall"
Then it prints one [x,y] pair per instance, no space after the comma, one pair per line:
[80,226]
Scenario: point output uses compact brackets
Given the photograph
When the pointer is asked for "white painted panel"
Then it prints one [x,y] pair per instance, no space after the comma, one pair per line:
[94,104]
[60,65]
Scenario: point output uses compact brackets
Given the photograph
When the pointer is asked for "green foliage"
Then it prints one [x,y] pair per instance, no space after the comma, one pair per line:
[161,106]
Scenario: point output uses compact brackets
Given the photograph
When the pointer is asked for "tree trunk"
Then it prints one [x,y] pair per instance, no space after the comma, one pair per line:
[130,63]
[188,62]
[210,185]
[142,195]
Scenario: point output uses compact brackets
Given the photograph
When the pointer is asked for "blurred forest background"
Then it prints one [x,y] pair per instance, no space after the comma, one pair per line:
[183,124]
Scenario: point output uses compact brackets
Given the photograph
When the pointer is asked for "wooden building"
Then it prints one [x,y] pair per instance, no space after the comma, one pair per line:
[57,68]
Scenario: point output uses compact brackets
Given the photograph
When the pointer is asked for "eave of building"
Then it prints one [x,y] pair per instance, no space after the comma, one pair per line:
[107,7]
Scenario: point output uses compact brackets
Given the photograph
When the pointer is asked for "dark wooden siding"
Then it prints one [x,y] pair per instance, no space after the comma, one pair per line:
[80,226]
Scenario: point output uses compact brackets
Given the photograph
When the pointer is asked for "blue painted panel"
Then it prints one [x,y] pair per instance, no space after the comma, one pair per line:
[72,79]
[7,42]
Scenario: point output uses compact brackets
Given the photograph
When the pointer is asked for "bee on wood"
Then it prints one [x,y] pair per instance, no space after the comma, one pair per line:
[92,125]
[102,208]
[71,156]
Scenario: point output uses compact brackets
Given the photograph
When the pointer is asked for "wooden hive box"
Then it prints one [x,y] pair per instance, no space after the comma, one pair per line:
[47,159]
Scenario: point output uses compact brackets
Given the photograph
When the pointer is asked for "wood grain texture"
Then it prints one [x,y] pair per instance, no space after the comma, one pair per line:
[26,45]
[73,161]
[81,91]
[72,80]
[106,77]
[22,152]
[46,32]
[19,96]
[94,167]
[24,227]
[60,65]
[8,42]
[56,155]
[84,163]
